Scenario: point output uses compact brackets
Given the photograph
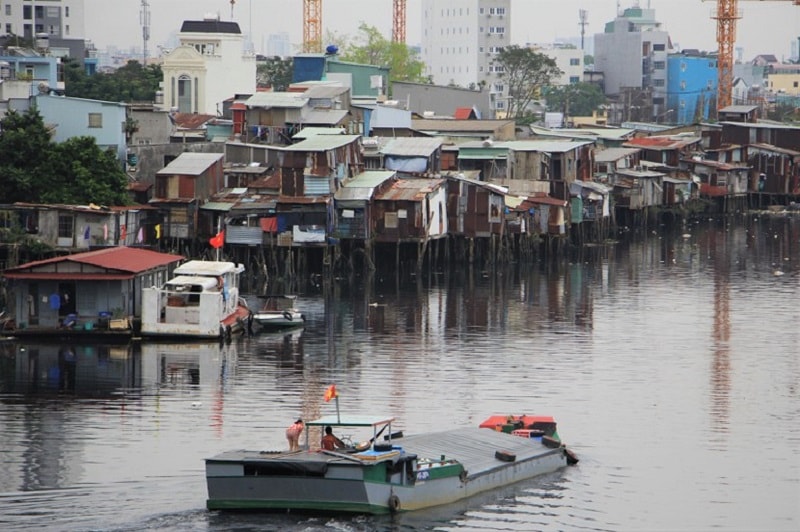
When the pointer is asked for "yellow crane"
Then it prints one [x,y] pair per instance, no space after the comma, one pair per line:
[312,24]
[726,16]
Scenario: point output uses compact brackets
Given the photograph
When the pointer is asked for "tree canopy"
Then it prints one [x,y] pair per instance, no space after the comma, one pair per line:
[130,83]
[525,72]
[370,47]
[275,72]
[36,169]
[577,99]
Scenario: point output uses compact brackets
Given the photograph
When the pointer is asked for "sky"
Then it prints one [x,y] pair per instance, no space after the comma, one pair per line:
[765,27]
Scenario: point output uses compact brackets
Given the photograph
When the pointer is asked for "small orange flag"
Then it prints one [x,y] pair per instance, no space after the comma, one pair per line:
[217,240]
[330,393]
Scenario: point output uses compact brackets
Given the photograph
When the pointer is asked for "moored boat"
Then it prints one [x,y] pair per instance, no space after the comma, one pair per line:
[278,312]
[399,473]
[201,300]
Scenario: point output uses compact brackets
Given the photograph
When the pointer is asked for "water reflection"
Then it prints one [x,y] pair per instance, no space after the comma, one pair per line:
[665,339]
[93,370]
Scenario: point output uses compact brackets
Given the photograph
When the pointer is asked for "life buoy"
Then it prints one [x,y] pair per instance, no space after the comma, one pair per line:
[394,504]
[287,315]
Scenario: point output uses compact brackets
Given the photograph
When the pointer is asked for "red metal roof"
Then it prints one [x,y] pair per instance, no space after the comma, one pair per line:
[124,261]
[463,113]
[191,120]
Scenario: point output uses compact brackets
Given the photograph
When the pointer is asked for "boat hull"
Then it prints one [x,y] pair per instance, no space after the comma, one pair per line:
[271,320]
[465,465]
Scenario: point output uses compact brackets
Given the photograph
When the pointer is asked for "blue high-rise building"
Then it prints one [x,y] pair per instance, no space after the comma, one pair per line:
[691,87]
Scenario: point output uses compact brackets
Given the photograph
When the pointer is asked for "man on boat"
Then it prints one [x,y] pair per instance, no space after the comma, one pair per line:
[331,442]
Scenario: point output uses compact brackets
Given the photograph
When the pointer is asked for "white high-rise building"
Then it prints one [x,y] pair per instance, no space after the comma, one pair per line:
[460,39]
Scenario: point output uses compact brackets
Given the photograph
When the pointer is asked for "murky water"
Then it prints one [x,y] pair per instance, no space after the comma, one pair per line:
[672,364]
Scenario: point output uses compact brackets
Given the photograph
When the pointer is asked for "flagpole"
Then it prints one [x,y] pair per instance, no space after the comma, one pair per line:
[219,224]
[338,417]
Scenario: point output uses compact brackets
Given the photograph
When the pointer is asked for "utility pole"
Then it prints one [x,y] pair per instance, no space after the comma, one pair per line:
[144,19]
[583,17]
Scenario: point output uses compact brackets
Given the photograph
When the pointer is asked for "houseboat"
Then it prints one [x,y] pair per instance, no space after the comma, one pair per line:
[201,300]
[381,477]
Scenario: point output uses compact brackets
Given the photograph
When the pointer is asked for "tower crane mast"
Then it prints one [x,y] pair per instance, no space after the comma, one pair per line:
[726,16]
[312,24]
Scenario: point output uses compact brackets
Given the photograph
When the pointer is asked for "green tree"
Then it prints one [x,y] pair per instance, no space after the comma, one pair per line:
[130,83]
[577,99]
[525,72]
[370,47]
[78,172]
[275,72]
[36,169]
[24,141]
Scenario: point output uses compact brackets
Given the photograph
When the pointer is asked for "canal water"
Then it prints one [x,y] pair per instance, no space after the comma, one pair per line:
[671,362]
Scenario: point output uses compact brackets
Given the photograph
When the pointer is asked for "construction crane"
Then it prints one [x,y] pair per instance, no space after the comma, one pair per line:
[312,24]
[726,16]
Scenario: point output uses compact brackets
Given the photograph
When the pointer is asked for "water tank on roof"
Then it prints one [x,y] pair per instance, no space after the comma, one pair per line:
[42,41]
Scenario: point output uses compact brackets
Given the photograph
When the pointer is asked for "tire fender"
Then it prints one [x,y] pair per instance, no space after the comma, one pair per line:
[394,504]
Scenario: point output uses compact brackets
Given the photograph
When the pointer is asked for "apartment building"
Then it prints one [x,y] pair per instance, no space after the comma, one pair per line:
[632,54]
[569,60]
[58,22]
[460,39]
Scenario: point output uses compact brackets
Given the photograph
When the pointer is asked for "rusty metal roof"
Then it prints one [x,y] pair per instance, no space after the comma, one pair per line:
[414,189]
[122,263]
[660,142]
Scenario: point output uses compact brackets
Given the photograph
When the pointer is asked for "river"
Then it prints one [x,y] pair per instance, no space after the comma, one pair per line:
[670,360]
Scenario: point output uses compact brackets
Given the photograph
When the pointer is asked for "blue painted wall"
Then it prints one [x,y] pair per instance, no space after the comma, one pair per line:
[71,119]
[691,88]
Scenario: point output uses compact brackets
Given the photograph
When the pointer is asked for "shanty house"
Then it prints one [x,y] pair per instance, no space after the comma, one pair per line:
[664,149]
[548,166]
[354,203]
[181,188]
[474,209]
[85,289]
[635,190]
[412,210]
[413,156]
[311,172]
[489,159]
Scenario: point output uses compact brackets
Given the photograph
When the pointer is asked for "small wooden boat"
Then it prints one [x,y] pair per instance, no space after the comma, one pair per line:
[278,312]
[201,300]
[384,477]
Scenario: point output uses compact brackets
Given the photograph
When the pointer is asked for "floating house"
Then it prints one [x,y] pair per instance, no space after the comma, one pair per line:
[85,291]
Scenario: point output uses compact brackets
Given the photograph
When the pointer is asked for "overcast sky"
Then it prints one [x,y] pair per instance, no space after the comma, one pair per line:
[765,27]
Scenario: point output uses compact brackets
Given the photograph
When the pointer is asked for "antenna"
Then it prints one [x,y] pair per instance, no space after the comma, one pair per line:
[583,17]
[232,4]
[144,19]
